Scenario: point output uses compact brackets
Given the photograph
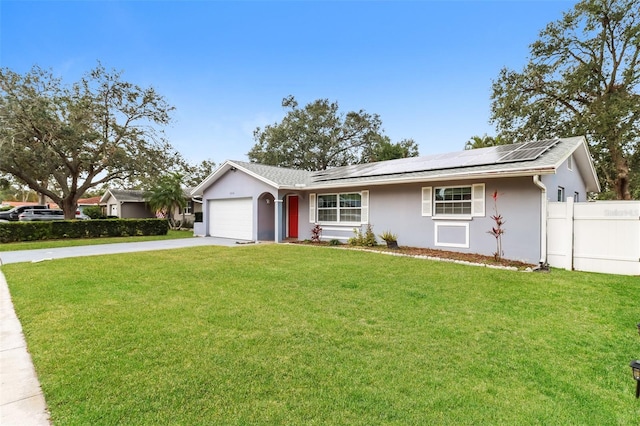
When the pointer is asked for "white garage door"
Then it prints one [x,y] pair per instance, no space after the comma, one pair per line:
[231,218]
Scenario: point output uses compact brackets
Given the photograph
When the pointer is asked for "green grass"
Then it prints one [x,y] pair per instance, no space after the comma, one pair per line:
[33,245]
[287,334]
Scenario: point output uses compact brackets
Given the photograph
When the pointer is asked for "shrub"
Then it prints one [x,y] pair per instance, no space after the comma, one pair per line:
[94,212]
[316,233]
[186,224]
[59,229]
[334,242]
[388,236]
[366,239]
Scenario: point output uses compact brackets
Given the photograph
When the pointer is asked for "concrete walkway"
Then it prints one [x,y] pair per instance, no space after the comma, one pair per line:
[21,400]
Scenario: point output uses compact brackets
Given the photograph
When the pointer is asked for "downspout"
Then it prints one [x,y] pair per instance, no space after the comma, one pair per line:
[543,219]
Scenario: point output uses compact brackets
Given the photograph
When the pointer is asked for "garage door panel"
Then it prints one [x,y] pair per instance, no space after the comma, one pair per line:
[231,218]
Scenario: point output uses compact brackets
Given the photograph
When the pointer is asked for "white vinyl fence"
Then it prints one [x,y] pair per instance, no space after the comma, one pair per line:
[601,236]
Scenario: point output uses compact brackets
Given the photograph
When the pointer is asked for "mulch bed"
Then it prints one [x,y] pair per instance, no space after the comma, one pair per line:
[441,254]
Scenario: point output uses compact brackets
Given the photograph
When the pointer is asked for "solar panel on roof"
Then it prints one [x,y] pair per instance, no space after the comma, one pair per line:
[526,151]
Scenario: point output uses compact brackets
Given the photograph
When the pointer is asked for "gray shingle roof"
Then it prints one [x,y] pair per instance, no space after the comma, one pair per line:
[128,195]
[484,162]
[279,175]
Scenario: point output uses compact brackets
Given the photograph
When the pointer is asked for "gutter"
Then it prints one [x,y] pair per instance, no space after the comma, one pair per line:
[543,219]
[419,179]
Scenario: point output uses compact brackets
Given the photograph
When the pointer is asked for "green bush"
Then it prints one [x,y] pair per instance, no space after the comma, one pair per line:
[366,239]
[60,229]
[24,231]
[94,212]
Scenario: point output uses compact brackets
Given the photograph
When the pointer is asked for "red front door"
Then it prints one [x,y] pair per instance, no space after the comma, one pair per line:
[293,216]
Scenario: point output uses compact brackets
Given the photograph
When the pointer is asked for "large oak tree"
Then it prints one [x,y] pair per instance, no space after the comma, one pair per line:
[63,140]
[582,78]
[318,137]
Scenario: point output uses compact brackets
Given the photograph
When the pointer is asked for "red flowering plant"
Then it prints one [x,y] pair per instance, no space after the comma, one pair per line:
[316,233]
[497,230]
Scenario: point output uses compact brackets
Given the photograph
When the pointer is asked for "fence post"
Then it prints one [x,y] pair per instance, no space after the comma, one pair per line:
[569,225]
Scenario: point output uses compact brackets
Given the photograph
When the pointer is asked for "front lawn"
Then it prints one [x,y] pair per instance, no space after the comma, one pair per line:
[288,334]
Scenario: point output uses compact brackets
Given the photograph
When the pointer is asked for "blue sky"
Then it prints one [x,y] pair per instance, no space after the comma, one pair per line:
[425,67]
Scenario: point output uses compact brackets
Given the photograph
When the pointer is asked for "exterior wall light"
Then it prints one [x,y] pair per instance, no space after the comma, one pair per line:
[635,367]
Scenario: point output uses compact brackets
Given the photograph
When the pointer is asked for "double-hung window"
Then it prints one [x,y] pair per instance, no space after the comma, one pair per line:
[451,201]
[340,207]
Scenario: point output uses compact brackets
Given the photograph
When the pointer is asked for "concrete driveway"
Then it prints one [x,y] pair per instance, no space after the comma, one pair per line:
[21,400]
[7,257]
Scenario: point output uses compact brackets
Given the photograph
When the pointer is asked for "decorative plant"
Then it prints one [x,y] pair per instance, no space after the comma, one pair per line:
[368,239]
[497,230]
[316,233]
[390,238]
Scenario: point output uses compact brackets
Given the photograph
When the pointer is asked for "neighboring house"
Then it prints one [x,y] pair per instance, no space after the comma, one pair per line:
[126,204]
[440,201]
[187,214]
[88,202]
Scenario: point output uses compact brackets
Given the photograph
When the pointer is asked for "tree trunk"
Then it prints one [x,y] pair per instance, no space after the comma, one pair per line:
[69,206]
[621,182]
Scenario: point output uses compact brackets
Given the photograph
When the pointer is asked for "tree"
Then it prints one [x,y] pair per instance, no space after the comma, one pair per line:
[195,174]
[315,137]
[166,195]
[484,141]
[63,140]
[583,77]
[383,149]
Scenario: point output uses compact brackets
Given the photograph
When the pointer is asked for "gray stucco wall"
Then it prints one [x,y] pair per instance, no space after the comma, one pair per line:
[235,184]
[398,209]
[135,211]
[570,179]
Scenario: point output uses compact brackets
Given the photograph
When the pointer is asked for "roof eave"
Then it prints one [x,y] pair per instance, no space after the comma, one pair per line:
[585,164]
[435,178]
[221,171]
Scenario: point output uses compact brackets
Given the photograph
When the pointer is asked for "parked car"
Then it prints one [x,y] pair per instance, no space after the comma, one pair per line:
[34,215]
[81,216]
[12,215]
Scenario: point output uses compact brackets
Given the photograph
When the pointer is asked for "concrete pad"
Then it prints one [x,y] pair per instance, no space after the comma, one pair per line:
[26,412]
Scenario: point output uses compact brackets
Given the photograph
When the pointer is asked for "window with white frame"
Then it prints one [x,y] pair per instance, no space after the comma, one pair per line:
[454,201]
[338,208]
[188,208]
[560,193]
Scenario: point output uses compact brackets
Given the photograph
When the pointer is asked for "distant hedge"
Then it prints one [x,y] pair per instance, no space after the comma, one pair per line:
[61,229]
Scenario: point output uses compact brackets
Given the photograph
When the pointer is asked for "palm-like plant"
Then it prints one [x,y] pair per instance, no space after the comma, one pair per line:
[166,195]
[484,141]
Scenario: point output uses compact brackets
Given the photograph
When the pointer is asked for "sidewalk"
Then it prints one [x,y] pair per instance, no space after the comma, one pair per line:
[21,400]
